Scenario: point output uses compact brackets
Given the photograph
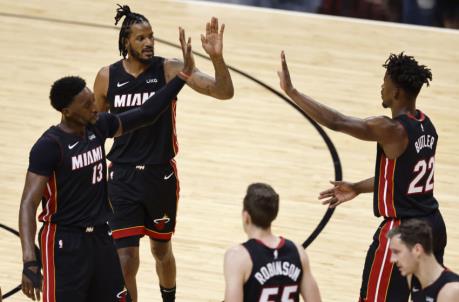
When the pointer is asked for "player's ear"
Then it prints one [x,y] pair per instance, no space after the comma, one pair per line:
[246,217]
[65,111]
[417,250]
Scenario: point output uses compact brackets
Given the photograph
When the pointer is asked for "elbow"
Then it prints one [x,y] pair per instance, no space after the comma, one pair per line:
[226,94]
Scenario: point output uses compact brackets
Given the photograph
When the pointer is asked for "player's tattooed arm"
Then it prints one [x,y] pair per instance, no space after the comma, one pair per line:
[221,86]
[100,89]
[31,196]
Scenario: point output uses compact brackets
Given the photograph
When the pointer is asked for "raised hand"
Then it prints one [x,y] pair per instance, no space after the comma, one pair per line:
[212,42]
[341,192]
[188,58]
[284,75]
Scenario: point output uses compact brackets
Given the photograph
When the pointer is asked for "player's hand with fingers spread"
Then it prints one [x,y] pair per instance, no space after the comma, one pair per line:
[341,192]
[212,42]
[284,75]
[188,58]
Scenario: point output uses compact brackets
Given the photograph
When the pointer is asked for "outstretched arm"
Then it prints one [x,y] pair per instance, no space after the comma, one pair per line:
[343,191]
[380,129]
[221,86]
[33,189]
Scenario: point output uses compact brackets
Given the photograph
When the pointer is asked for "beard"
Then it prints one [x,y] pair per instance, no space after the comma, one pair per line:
[138,55]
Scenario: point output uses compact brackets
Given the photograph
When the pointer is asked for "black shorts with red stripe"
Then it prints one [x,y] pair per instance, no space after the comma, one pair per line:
[144,200]
[381,280]
[80,265]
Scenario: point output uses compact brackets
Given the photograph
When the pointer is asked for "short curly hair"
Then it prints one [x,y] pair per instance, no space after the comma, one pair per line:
[406,73]
[64,90]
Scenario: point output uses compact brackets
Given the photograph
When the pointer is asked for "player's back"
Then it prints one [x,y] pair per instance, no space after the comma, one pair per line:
[276,272]
[404,186]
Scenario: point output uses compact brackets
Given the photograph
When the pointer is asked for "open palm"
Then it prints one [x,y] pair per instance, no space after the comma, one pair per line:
[212,42]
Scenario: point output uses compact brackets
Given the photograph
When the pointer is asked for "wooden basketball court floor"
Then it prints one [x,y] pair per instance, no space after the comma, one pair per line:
[224,146]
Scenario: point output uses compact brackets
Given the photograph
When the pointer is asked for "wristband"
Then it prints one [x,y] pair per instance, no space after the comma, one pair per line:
[184,75]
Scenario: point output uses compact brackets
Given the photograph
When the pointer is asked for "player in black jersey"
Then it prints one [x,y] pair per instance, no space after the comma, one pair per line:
[266,267]
[404,174]
[143,183]
[412,252]
[67,173]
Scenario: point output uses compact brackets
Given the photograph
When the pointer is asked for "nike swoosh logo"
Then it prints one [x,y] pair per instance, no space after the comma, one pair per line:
[166,177]
[72,146]
[122,84]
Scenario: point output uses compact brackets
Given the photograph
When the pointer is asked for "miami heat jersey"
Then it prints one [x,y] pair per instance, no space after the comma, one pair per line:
[404,186]
[276,273]
[430,293]
[155,143]
[76,193]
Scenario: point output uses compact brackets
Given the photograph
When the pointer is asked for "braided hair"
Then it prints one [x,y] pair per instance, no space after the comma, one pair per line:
[407,73]
[130,19]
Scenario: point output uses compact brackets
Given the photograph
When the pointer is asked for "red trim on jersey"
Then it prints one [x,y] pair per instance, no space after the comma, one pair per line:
[281,242]
[381,268]
[177,189]
[279,245]
[386,204]
[175,145]
[128,232]
[156,235]
[50,194]
[421,116]
[48,236]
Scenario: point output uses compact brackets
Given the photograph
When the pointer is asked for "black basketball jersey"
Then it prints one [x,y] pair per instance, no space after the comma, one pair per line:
[155,143]
[276,273]
[404,186]
[430,293]
[76,193]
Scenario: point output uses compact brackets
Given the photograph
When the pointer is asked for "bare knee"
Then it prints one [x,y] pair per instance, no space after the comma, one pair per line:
[129,260]
[162,251]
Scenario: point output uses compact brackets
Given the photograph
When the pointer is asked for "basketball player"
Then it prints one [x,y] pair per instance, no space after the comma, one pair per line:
[67,172]
[143,183]
[404,177]
[266,267]
[412,252]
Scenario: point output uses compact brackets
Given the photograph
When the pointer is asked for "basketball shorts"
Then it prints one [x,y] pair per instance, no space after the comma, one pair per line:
[144,200]
[80,265]
[381,279]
